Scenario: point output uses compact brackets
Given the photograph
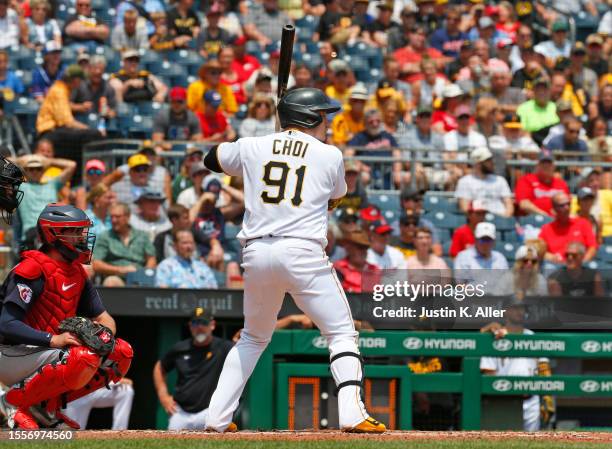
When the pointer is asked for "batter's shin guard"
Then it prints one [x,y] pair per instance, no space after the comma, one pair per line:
[112,369]
[347,370]
[55,379]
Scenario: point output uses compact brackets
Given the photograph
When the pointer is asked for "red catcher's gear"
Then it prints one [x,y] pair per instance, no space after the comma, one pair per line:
[113,369]
[64,283]
[55,379]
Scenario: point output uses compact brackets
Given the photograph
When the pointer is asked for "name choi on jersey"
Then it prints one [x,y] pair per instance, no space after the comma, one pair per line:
[295,148]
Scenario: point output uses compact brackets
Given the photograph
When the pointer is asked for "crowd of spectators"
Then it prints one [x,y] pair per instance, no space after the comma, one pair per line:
[477,100]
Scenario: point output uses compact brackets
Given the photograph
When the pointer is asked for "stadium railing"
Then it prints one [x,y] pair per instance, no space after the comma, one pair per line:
[402,383]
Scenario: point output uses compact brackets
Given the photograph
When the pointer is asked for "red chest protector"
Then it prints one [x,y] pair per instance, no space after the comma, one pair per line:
[64,283]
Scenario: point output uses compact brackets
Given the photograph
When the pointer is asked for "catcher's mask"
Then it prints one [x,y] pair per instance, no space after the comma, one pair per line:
[11,178]
[67,229]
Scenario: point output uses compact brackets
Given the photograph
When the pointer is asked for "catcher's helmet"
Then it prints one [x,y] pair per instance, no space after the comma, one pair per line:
[11,178]
[302,107]
[66,229]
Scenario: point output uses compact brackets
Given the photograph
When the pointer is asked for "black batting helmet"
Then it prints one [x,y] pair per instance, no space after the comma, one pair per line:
[302,107]
[11,178]
[66,229]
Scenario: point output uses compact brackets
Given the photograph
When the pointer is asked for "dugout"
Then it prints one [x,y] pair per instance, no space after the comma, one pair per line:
[294,368]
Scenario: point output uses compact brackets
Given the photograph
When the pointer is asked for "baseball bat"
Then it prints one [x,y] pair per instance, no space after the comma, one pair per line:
[284,63]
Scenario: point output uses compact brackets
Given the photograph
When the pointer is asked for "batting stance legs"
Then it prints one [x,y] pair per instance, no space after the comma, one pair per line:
[274,266]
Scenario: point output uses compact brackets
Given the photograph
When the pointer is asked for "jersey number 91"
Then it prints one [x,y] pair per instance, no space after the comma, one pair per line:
[280,182]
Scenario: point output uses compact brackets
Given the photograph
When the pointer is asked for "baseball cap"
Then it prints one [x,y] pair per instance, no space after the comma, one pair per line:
[424,110]
[148,194]
[563,105]
[198,167]
[95,164]
[408,193]
[178,93]
[485,22]
[338,65]
[131,53]
[463,110]
[263,75]
[594,39]
[348,215]
[359,92]
[74,71]
[485,229]
[380,227]
[211,184]
[213,98]
[578,48]
[351,165]
[384,88]
[491,10]
[585,192]
[137,160]
[83,57]
[240,40]
[560,25]
[452,91]
[477,206]
[512,121]
[408,218]
[34,161]
[385,5]
[503,43]
[541,81]
[357,237]
[467,45]
[546,155]
[480,154]
[214,9]
[370,213]
[51,47]
[200,314]
[524,251]
[192,149]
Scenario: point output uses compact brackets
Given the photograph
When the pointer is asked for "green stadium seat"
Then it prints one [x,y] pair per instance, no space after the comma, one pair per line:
[535,220]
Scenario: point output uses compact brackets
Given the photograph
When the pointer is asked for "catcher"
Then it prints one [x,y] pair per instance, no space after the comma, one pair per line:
[57,341]
[11,178]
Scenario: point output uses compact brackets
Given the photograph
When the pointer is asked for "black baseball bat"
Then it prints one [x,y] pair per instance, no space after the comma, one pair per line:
[284,63]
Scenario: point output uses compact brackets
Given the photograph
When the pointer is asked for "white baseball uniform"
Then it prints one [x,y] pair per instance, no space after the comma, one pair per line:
[289,177]
[120,397]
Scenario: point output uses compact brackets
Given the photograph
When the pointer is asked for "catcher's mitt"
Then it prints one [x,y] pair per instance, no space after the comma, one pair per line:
[96,337]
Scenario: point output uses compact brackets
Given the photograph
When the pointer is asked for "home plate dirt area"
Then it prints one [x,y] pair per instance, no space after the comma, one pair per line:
[334,439]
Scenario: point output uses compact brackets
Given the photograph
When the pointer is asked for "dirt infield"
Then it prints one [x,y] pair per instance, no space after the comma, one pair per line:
[334,435]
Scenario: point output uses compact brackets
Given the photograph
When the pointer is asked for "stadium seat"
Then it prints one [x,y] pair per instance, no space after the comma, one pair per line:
[501,223]
[312,61]
[604,253]
[27,110]
[445,220]
[432,202]
[148,107]
[25,76]
[141,126]
[384,201]
[310,22]
[446,248]
[390,215]
[510,236]
[507,249]
[534,220]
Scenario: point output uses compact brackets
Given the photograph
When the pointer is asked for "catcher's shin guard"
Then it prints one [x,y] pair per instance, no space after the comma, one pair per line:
[112,369]
[54,379]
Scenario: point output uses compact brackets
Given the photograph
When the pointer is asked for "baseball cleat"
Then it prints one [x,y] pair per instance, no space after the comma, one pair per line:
[370,425]
[23,420]
[229,429]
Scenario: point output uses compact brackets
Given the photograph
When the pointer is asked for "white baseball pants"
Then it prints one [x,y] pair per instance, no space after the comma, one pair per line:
[182,420]
[275,266]
[120,397]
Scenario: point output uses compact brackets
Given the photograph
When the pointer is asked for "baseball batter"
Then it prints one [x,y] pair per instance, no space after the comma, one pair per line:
[291,178]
